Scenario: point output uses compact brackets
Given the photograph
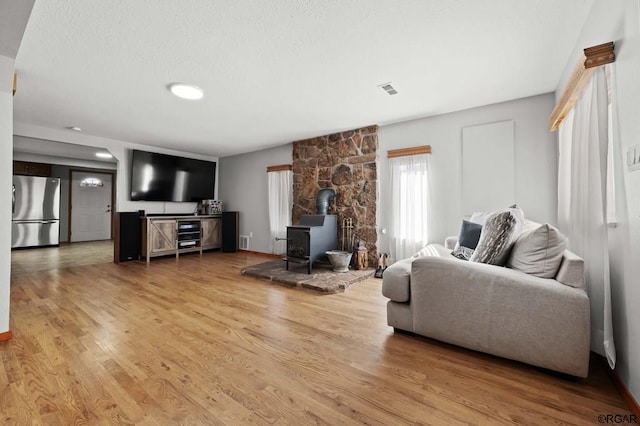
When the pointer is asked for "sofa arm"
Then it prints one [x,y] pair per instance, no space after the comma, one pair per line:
[396,281]
[450,242]
[502,311]
[571,271]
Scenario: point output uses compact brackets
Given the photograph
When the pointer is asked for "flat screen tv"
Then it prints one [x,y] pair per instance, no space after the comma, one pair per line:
[160,177]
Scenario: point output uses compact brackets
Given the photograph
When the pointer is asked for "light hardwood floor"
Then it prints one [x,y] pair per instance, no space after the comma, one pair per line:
[65,256]
[193,342]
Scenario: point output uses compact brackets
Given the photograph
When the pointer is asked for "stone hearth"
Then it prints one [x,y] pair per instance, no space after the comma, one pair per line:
[322,279]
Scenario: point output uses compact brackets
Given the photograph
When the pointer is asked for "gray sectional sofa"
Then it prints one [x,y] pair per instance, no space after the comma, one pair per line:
[498,310]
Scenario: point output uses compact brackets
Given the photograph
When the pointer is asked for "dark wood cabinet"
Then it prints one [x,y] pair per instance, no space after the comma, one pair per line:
[31,169]
[128,234]
[230,234]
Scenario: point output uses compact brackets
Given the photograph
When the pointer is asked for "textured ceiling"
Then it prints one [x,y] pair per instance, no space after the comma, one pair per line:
[274,71]
[13,19]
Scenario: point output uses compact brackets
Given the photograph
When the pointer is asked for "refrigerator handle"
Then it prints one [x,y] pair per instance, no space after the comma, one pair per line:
[13,199]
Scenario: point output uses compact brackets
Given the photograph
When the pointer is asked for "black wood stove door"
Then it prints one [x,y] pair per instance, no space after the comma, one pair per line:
[298,242]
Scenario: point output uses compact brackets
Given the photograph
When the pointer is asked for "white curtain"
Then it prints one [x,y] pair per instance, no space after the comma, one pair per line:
[583,198]
[409,194]
[280,206]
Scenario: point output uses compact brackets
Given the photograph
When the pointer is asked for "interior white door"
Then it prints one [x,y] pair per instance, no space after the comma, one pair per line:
[90,206]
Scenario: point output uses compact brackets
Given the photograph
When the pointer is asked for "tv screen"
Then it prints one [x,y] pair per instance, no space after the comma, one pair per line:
[160,177]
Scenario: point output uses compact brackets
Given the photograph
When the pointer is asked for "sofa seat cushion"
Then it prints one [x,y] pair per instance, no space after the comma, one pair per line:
[396,279]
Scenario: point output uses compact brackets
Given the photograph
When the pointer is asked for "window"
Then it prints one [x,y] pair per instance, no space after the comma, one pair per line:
[280,183]
[91,182]
[408,175]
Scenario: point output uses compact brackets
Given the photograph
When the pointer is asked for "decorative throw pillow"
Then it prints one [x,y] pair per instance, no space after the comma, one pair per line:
[481,217]
[497,237]
[538,252]
[429,250]
[467,240]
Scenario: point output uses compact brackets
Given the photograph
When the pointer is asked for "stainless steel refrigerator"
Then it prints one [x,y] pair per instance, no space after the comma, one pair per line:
[36,211]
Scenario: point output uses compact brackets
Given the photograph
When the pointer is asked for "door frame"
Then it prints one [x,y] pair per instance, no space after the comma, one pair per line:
[113,193]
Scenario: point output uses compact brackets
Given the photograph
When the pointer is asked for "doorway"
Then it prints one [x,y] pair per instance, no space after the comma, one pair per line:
[91,205]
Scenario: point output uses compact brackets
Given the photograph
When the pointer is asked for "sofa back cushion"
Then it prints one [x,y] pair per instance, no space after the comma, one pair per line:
[538,251]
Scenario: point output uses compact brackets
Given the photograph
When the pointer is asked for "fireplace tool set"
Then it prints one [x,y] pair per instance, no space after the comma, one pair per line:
[348,239]
[360,252]
[340,259]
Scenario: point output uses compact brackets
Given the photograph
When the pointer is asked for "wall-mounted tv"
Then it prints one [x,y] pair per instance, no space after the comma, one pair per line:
[160,177]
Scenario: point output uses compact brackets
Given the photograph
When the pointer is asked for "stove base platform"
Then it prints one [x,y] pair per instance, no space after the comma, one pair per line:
[322,279]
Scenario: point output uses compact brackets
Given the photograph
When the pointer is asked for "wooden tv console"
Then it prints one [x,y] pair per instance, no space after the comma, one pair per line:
[166,235]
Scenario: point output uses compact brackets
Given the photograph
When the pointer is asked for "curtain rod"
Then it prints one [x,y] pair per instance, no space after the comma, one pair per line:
[416,150]
[279,168]
[592,57]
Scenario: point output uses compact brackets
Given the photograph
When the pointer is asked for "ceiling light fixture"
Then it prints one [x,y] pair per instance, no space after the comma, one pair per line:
[387,87]
[186,91]
[75,128]
[103,155]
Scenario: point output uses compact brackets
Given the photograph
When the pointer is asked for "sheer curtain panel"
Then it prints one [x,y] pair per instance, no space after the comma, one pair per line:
[583,198]
[408,176]
[280,206]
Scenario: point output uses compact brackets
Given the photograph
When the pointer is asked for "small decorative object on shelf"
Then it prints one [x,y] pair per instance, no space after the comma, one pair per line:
[216,207]
[209,207]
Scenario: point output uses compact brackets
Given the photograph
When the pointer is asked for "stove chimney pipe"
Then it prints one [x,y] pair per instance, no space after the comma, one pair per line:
[323,198]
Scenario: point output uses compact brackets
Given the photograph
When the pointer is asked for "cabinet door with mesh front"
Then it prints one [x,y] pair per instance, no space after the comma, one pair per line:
[211,233]
[162,235]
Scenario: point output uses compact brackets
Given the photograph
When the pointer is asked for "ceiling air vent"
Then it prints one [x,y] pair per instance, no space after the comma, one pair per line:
[387,87]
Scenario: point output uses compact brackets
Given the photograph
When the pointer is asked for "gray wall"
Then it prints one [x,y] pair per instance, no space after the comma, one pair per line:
[6,171]
[243,188]
[13,24]
[618,21]
[535,161]
[62,161]
[243,183]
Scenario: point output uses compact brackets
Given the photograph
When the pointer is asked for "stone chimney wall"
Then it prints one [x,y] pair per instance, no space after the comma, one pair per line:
[346,162]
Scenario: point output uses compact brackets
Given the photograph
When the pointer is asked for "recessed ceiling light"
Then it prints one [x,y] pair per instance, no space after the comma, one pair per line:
[75,128]
[186,91]
[103,155]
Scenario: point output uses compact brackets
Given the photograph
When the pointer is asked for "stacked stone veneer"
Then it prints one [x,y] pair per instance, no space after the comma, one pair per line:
[345,162]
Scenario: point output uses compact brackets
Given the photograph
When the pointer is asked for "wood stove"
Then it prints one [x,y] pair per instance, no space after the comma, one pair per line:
[311,239]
